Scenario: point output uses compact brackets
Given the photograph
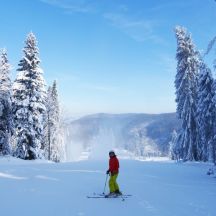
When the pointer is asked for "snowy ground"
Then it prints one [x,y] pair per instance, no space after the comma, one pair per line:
[159,189]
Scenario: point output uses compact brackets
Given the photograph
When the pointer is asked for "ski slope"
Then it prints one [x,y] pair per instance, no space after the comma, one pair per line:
[39,188]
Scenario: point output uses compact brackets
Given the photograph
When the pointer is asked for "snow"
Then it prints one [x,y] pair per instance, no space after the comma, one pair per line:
[159,188]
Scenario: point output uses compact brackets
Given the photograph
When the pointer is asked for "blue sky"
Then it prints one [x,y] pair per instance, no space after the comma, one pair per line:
[107,55]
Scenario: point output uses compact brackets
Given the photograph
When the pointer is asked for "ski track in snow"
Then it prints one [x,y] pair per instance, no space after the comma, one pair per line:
[39,188]
[9,176]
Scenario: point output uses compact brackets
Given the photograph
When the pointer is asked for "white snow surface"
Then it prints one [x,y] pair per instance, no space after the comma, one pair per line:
[159,188]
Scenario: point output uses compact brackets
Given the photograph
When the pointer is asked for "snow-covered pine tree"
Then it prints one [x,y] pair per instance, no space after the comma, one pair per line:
[173,148]
[46,117]
[29,102]
[206,112]
[6,124]
[54,127]
[54,143]
[186,81]
[213,144]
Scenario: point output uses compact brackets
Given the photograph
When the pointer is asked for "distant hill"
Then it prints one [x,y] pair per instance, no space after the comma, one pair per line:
[138,134]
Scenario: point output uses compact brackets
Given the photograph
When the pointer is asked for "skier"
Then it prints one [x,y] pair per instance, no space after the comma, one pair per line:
[113,171]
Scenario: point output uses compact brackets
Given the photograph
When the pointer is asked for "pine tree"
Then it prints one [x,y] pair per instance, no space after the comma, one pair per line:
[173,148]
[29,102]
[54,142]
[206,112]
[5,105]
[54,127]
[213,144]
[186,94]
[46,139]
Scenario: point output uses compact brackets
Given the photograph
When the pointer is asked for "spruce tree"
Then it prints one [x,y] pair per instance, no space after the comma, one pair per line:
[54,142]
[29,102]
[173,148]
[55,126]
[206,112]
[46,139]
[5,105]
[213,144]
[186,81]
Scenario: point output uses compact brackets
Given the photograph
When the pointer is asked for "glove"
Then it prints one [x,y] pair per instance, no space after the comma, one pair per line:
[107,172]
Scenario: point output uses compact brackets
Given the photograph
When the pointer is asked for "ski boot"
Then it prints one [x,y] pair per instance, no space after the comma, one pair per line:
[110,195]
[118,192]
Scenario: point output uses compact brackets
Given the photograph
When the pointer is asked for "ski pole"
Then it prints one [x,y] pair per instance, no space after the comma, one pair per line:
[105,184]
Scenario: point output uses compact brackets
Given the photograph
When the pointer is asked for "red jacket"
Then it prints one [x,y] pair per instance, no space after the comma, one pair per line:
[114,165]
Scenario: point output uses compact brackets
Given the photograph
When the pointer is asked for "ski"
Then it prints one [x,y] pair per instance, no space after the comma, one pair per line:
[100,196]
[97,196]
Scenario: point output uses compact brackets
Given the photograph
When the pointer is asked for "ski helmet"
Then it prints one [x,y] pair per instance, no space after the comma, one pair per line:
[111,153]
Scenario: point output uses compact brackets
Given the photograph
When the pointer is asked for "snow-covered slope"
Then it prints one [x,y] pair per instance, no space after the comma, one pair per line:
[34,188]
[138,134]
